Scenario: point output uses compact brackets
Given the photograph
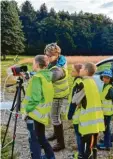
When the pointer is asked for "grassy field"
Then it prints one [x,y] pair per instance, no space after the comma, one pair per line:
[6,152]
[28,61]
[25,60]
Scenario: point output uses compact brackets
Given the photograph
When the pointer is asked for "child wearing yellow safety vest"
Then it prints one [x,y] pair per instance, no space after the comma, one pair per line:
[74,110]
[37,106]
[107,105]
[58,67]
[91,119]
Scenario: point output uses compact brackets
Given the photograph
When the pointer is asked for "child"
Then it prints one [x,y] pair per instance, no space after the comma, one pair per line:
[91,120]
[73,109]
[107,104]
[37,105]
[53,51]
[58,67]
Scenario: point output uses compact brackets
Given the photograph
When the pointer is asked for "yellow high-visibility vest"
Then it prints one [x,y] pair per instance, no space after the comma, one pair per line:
[42,111]
[91,119]
[77,111]
[107,105]
[61,87]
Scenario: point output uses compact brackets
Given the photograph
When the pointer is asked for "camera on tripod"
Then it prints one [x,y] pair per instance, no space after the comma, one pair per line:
[17,70]
[21,71]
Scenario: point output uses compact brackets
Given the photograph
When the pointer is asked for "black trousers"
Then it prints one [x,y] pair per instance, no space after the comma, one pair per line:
[89,143]
[107,132]
[40,133]
[37,140]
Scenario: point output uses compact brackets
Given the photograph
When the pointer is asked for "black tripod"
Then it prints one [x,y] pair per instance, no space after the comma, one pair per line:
[16,104]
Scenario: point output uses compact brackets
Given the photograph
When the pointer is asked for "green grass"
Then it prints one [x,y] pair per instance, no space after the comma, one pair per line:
[6,152]
[10,61]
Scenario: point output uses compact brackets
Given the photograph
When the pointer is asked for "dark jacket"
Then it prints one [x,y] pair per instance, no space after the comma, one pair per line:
[78,96]
[58,73]
[109,95]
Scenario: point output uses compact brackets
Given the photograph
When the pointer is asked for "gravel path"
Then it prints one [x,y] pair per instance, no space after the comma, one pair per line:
[22,145]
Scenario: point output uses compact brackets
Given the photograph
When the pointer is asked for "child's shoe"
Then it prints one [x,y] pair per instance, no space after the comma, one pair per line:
[43,157]
[101,146]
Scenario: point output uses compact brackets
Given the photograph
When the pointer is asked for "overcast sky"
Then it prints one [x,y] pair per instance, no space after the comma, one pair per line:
[92,6]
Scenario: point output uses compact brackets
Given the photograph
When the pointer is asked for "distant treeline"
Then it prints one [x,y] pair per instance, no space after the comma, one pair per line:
[28,31]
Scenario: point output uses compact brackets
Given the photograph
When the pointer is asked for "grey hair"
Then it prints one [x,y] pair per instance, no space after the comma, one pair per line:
[41,60]
[52,48]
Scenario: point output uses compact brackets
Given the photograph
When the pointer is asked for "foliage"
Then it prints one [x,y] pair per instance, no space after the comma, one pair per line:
[77,34]
[12,37]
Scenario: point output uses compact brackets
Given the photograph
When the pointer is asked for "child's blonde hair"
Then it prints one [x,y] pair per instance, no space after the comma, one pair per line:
[91,68]
[52,48]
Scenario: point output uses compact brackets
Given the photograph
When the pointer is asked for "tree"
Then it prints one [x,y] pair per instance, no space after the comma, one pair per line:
[64,15]
[28,10]
[46,32]
[65,38]
[12,37]
[107,39]
[28,18]
[82,35]
[77,34]
[42,13]
[52,13]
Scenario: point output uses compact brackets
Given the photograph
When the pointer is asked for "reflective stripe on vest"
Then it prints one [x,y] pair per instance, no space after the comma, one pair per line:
[91,119]
[106,104]
[92,122]
[107,109]
[76,116]
[61,82]
[89,110]
[61,87]
[41,105]
[39,115]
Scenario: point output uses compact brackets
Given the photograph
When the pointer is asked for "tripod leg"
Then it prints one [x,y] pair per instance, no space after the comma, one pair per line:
[16,117]
[23,90]
[7,126]
[14,134]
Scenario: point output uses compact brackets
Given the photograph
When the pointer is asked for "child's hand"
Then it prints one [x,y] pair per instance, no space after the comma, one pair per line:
[24,117]
[78,106]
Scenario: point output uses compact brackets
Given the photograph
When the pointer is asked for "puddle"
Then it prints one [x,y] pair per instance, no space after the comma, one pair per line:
[6,105]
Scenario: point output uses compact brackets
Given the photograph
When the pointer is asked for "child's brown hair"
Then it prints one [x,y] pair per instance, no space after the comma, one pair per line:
[41,60]
[91,68]
[77,67]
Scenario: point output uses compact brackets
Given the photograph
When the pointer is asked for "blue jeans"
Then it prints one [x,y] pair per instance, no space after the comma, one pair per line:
[37,140]
[107,132]
[78,138]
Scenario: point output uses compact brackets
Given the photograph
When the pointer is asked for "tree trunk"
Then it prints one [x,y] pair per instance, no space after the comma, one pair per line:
[4,57]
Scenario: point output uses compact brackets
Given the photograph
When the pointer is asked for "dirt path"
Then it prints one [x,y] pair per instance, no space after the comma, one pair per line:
[22,145]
